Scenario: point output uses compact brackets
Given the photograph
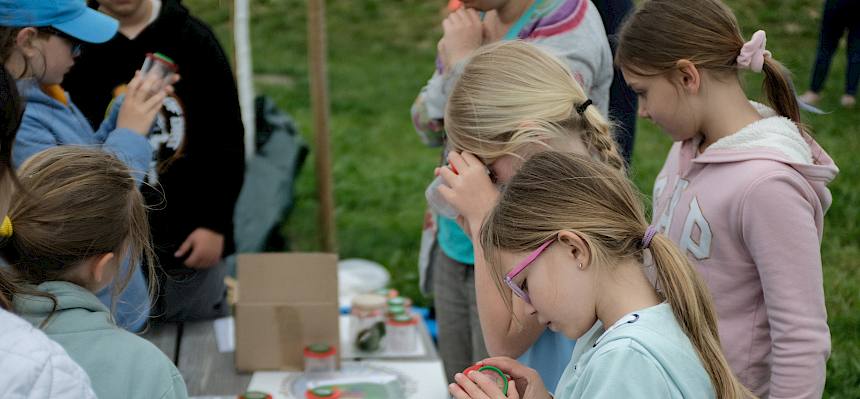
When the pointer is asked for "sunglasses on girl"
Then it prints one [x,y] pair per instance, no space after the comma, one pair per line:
[518,290]
[76,44]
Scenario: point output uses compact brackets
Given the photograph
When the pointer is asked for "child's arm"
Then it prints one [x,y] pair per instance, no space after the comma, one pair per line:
[428,110]
[474,195]
[129,146]
[780,212]
[503,335]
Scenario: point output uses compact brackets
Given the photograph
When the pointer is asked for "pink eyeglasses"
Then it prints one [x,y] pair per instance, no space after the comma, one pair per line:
[509,278]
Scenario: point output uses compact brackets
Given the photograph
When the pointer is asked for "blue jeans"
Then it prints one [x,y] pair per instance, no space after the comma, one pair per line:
[838,16]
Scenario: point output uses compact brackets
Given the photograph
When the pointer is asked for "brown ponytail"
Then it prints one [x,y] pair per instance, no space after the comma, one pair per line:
[779,89]
[690,299]
[706,33]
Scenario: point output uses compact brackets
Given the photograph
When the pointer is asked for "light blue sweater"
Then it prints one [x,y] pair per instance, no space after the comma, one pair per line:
[119,363]
[644,355]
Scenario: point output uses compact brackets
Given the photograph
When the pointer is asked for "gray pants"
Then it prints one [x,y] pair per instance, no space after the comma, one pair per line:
[193,294]
[461,343]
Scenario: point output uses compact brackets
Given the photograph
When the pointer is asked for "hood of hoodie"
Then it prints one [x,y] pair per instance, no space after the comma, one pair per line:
[774,138]
[32,93]
[78,309]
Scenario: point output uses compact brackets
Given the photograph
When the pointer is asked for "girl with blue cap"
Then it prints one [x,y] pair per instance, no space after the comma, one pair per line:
[39,41]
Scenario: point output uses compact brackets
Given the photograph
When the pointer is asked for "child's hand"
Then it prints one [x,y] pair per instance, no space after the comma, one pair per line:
[478,386]
[206,247]
[527,380]
[142,102]
[464,32]
[470,189]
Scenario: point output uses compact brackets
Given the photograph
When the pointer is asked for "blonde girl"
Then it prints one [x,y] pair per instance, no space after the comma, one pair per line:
[514,100]
[569,239]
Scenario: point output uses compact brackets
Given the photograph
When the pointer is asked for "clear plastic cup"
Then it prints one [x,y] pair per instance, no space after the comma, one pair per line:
[320,358]
[159,65]
[437,201]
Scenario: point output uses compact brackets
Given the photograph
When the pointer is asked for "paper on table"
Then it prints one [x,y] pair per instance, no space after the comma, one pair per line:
[225,334]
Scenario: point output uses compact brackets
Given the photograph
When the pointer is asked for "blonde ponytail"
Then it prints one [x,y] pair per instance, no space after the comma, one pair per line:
[690,299]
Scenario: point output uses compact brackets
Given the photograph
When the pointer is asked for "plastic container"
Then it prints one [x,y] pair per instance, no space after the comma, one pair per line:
[437,201]
[501,379]
[367,321]
[401,333]
[320,358]
[395,310]
[254,395]
[323,393]
[159,65]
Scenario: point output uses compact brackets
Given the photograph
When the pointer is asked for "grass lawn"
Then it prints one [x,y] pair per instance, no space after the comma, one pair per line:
[382,52]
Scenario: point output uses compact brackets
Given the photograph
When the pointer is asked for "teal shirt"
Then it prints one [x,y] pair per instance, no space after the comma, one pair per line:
[119,363]
[650,357]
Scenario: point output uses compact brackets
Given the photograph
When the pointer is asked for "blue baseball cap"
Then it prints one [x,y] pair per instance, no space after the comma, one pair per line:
[71,17]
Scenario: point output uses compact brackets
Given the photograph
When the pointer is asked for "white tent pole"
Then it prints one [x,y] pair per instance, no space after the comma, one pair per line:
[245,74]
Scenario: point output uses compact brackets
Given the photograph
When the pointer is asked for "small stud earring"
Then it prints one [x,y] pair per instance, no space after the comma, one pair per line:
[580,266]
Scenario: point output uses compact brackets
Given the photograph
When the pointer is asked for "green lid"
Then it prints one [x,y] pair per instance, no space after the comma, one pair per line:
[323,392]
[164,57]
[399,301]
[396,310]
[503,381]
[255,395]
[319,348]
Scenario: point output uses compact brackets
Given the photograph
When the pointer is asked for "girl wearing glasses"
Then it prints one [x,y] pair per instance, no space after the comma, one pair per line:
[569,238]
[513,100]
[39,41]
[39,44]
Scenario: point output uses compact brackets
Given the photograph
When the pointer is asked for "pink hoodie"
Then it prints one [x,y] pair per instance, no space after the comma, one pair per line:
[749,212]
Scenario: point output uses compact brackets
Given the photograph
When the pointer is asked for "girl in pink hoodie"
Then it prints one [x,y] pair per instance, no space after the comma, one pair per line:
[743,191]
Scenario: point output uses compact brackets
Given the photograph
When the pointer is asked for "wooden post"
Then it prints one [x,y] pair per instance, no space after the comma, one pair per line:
[320,106]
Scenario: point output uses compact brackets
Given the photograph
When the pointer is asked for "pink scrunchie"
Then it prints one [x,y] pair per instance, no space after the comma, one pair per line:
[753,53]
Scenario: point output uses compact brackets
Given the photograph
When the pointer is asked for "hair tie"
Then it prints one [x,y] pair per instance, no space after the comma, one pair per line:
[6,228]
[650,232]
[581,107]
[753,53]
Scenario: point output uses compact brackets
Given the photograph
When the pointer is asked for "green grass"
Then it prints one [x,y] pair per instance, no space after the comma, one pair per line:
[382,52]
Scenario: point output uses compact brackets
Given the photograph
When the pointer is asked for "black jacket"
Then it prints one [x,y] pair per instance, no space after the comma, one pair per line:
[200,183]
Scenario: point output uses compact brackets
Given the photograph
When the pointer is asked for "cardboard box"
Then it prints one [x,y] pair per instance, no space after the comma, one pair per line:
[286,302]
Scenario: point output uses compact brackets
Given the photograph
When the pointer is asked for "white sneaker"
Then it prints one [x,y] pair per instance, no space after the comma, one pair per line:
[848,101]
[810,97]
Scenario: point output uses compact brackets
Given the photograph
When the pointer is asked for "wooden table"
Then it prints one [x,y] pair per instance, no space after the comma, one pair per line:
[192,348]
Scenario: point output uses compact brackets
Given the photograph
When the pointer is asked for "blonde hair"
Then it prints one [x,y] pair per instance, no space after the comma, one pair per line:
[78,203]
[512,94]
[556,192]
[706,33]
